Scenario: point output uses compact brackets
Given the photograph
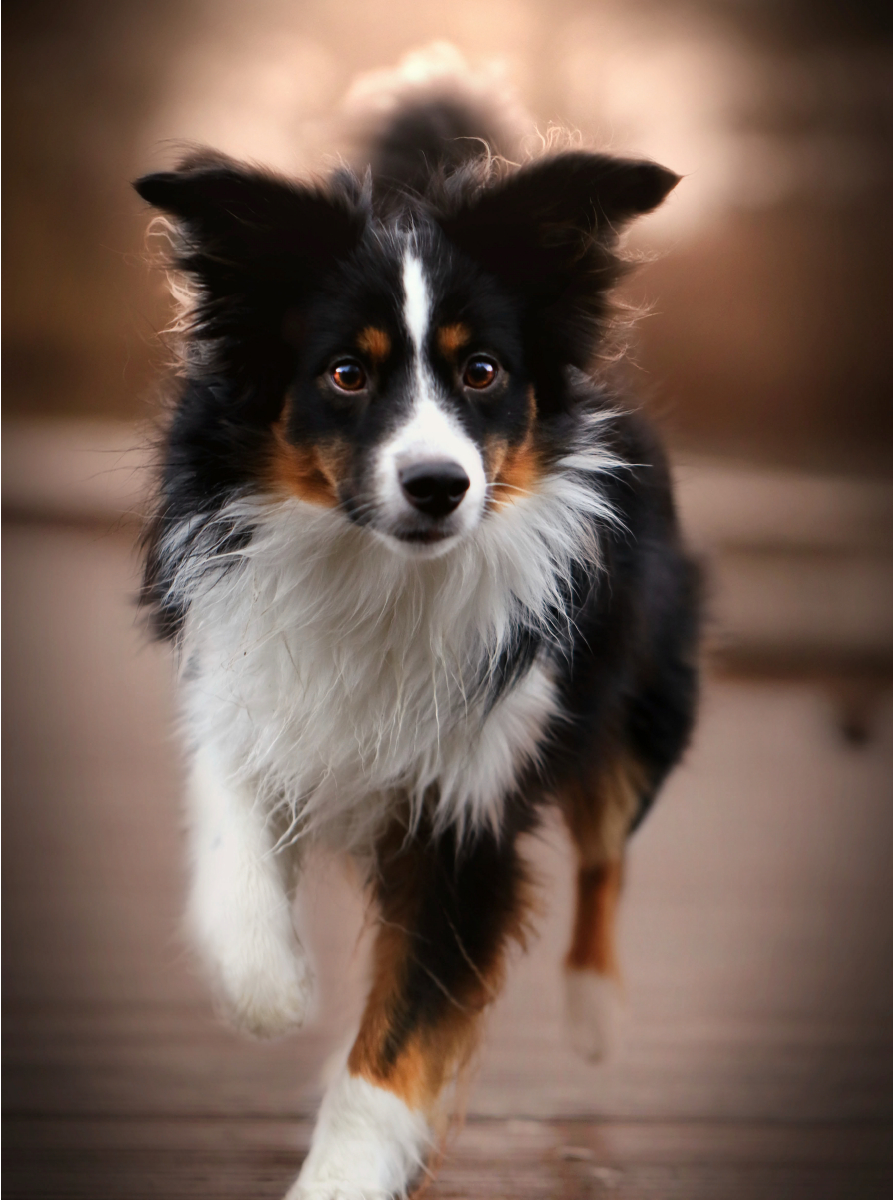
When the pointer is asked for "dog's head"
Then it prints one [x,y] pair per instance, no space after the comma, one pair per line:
[400,358]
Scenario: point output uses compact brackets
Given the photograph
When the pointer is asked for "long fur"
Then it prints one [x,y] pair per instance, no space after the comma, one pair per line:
[421,568]
[307,627]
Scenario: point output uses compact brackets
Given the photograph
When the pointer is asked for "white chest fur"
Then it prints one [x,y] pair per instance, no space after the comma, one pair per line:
[329,672]
[334,678]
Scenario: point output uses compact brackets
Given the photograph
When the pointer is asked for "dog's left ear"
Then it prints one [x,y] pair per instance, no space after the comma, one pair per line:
[239,225]
[549,232]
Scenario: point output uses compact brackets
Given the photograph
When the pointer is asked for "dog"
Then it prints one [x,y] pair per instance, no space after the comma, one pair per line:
[421,565]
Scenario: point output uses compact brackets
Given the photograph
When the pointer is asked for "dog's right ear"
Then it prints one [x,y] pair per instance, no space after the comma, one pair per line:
[240,227]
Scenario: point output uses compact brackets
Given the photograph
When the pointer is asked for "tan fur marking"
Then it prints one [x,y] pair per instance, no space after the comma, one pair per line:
[593,945]
[451,339]
[310,473]
[425,1065]
[518,472]
[374,342]
[431,1056]
[599,810]
[514,470]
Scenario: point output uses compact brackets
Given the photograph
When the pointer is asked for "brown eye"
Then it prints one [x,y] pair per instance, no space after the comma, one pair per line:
[480,373]
[349,376]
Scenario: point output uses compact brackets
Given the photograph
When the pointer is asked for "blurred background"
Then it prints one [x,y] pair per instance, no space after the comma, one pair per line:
[774,283]
[759,919]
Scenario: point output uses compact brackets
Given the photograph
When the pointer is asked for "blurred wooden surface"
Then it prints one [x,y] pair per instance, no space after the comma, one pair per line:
[757,934]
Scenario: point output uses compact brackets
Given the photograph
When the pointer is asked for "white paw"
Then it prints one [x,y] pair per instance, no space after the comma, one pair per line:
[266,990]
[337,1191]
[367,1145]
[594,1011]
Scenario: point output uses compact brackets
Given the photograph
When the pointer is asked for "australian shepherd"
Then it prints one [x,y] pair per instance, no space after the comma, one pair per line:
[422,568]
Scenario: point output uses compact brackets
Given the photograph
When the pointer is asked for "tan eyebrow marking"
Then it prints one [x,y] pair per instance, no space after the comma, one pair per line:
[374,342]
[450,338]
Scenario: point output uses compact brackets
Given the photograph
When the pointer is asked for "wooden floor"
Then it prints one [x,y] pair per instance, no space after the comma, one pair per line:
[757,934]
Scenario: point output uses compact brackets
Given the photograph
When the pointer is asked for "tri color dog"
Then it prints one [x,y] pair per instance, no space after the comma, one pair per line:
[423,572]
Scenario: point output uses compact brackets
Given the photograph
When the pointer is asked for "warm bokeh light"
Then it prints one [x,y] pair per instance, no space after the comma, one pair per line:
[773,286]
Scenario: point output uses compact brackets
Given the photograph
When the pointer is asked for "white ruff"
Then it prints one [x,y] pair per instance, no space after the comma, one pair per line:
[328,672]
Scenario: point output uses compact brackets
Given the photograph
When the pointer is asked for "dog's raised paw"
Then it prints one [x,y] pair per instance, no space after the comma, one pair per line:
[268,995]
[338,1191]
[334,1191]
[594,1012]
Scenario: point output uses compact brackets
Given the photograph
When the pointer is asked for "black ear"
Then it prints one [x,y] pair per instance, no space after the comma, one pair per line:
[257,246]
[548,212]
[549,231]
[238,223]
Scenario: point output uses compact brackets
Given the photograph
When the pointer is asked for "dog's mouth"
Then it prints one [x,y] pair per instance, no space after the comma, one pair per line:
[422,543]
[418,540]
[424,537]
[407,531]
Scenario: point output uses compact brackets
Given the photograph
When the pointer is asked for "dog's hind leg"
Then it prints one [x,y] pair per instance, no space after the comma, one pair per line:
[599,810]
[448,909]
[239,909]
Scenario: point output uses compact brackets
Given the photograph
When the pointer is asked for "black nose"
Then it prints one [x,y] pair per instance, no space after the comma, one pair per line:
[434,488]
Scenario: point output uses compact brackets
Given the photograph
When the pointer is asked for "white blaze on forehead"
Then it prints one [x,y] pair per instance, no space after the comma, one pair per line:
[429,431]
[432,433]
[416,301]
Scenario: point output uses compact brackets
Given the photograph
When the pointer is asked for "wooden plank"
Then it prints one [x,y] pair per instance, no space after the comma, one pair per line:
[487,1159]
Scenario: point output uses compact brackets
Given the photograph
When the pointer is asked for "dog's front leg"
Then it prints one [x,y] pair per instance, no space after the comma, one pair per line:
[447,912]
[239,910]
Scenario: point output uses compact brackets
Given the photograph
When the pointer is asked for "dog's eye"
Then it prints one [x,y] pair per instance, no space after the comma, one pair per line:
[480,373]
[348,376]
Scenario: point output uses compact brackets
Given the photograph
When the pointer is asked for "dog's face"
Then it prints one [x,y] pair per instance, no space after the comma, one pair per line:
[404,369]
[410,407]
